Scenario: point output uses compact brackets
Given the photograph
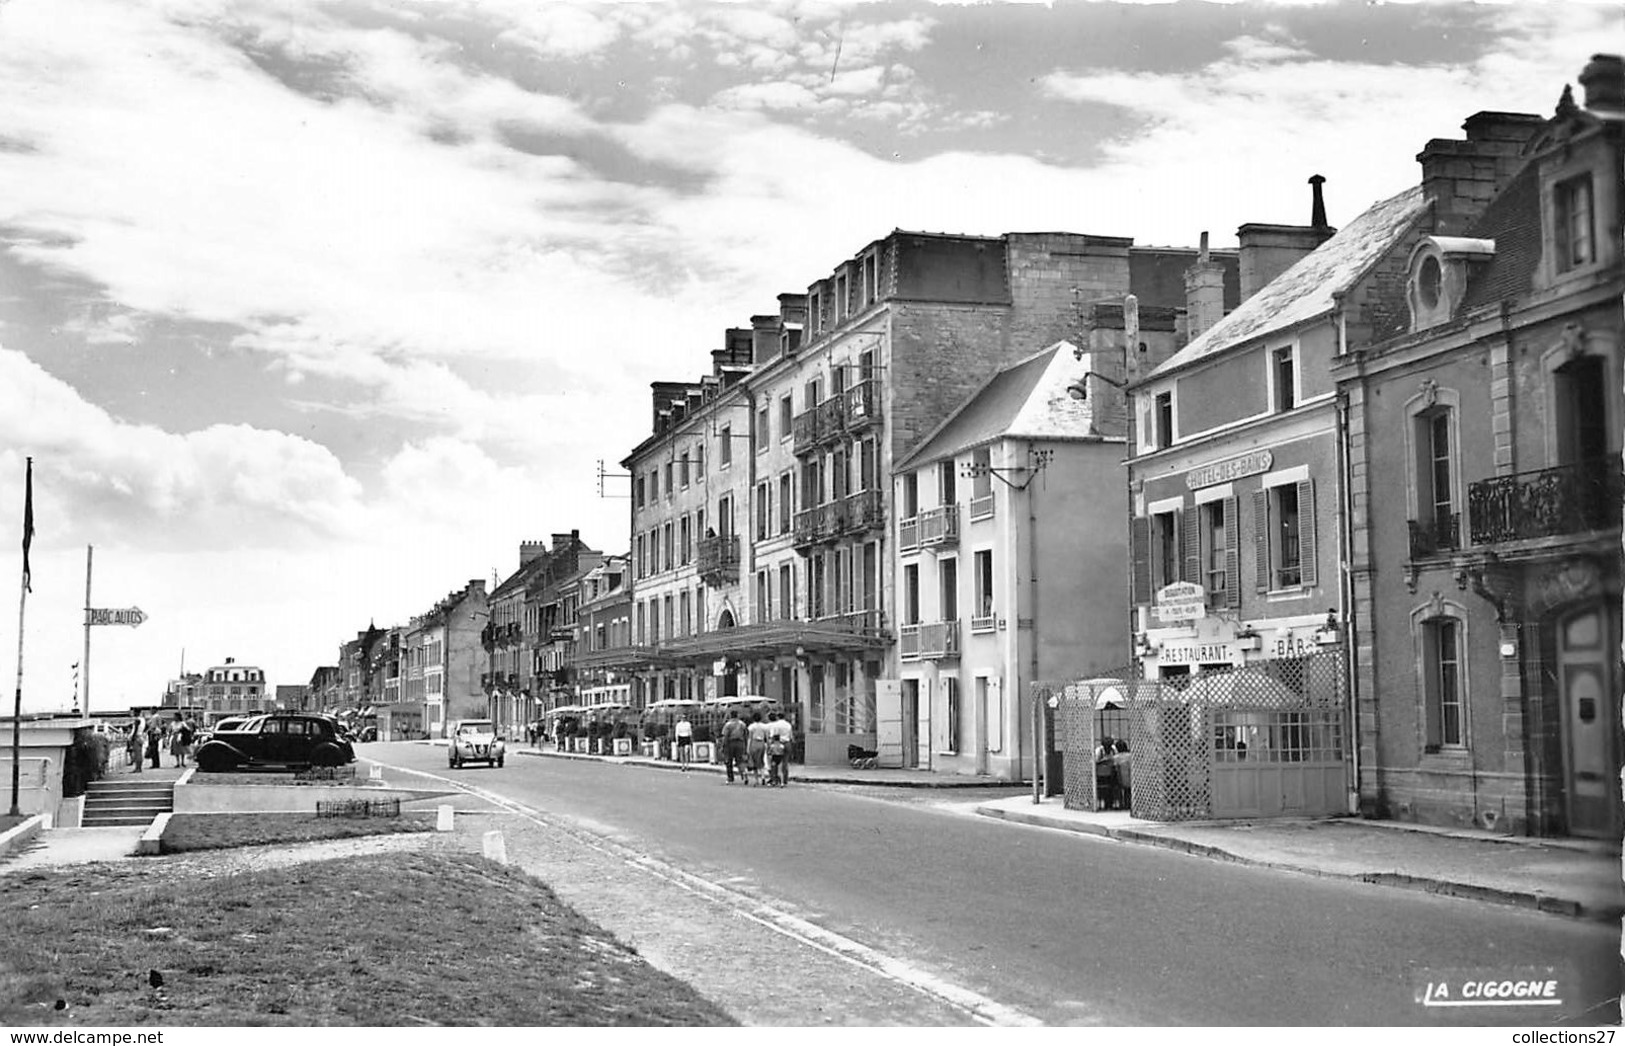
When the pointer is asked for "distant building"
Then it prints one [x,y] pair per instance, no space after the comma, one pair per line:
[228,689]
[294,696]
[444,662]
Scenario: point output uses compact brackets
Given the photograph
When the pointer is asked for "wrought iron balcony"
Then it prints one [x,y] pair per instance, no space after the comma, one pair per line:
[869,622]
[1435,536]
[832,419]
[940,525]
[718,560]
[823,523]
[862,406]
[804,427]
[865,510]
[1568,499]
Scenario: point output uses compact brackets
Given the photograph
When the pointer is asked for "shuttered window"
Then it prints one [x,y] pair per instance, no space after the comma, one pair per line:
[1140,548]
[1284,542]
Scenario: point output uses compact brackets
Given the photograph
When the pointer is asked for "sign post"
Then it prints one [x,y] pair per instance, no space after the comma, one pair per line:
[131,616]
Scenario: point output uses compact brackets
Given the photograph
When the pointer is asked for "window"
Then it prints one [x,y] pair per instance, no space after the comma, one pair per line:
[725,447]
[1582,410]
[682,469]
[1283,372]
[950,700]
[637,491]
[945,483]
[840,475]
[764,596]
[763,434]
[764,509]
[786,417]
[784,504]
[871,278]
[810,393]
[654,484]
[868,466]
[1284,535]
[911,594]
[1220,563]
[725,515]
[815,585]
[671,547]
[686,539]
[1163,420]
[1572,223]
[948,590]
[668,480]
[787,592]
[910,496]
[983,609]
[699,459]
[1164,549]
[686,614]
[1441,666]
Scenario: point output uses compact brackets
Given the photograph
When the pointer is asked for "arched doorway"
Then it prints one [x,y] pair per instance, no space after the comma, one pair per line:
[1588,676]
[728,682]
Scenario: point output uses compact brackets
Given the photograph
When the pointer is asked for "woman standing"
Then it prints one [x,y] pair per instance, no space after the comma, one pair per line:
[756,747]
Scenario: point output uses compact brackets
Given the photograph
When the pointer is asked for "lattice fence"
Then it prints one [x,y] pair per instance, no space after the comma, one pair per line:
[358,808]
[1283,710]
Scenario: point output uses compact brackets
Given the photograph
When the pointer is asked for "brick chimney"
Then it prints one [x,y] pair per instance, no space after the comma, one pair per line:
[1269,250]
[531,550]
[1604,83]
[1204,293]
[1461,177]
[764,334]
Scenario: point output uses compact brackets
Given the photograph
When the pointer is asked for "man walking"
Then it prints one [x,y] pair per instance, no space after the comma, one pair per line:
[137,744]
[779,737]
[684,733]
[733,744]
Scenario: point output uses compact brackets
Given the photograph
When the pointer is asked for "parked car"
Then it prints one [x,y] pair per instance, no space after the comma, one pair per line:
[279,739]
[475,741]
[368,733]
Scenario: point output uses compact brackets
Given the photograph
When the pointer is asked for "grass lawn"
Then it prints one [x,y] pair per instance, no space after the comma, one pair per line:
[354,941]
[216,831]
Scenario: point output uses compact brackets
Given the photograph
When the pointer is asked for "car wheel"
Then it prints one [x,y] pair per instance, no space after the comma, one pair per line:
[499,762]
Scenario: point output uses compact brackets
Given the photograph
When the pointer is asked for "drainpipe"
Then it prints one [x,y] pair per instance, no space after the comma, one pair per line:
[1032,609]
[1345,573]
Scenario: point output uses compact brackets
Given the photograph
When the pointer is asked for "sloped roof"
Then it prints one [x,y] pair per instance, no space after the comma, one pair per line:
[1512,220]
[1026,400]
[1307,289]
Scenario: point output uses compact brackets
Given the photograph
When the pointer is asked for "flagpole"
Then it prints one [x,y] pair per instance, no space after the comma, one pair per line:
[89,550]
[22,607]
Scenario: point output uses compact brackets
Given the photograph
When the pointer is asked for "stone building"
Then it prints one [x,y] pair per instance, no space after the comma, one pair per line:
[444,661]
[1484,431]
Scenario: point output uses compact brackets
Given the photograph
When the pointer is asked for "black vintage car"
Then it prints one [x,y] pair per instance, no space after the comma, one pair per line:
[278,739]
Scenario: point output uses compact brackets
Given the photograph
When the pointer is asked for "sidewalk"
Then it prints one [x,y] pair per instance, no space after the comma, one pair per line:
[1561,876]
[808,774]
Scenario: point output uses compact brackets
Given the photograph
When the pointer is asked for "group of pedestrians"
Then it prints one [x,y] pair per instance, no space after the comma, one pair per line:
[149,736]
[757,746]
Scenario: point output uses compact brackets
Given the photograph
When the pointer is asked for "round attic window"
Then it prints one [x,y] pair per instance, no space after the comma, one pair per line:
[1429,278]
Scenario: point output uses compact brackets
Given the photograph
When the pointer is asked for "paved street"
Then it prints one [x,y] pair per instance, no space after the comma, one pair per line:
[1053,926]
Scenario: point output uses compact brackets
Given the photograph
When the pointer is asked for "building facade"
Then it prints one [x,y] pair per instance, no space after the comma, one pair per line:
[228,689]
[444,661]
[1486,486]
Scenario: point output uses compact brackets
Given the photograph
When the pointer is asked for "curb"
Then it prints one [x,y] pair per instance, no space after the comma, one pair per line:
[14,839]
[152,840]
[1427,884]
[806,776]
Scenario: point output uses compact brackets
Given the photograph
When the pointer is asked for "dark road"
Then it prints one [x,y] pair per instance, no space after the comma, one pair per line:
[1065,928]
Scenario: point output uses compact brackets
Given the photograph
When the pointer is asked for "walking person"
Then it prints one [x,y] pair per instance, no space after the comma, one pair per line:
[734,735]
[177,748]
[684,734]
[135,746]
[780,735]
[755,746]
[155,740]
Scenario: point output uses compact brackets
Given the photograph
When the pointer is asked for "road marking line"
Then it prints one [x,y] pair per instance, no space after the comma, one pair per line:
[978,1006]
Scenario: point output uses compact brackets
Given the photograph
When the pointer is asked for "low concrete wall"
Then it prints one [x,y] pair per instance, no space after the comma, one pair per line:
[278,798]
[20,836]
[70,813]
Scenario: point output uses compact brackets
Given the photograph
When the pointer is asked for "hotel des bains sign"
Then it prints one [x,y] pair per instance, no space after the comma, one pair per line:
[1229,469]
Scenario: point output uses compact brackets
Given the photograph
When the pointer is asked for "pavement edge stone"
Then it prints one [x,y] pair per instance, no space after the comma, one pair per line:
[19,836]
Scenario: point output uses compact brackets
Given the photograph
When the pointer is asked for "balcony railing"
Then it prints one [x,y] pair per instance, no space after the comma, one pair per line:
[1568,499]
[908,642]
[908,534]
[804,427]
[1437,535]
[865,510]
[831,419]
[939,639]
[981,507]
[822,523]
[940,525]
[862,622]
[862,405]
[718,559]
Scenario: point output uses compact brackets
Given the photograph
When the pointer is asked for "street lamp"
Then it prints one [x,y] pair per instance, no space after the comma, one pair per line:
[1079,390]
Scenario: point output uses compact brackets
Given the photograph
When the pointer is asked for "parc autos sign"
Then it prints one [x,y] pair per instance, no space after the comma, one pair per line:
[132,616]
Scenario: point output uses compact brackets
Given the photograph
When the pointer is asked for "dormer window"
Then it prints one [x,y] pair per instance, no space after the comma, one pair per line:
[1439,268]
[1572,230]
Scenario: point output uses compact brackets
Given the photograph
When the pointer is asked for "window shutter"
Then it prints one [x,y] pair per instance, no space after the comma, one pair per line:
[1308,558]
[1232,554]
[1193,544]
[1140,538]
[1261,538]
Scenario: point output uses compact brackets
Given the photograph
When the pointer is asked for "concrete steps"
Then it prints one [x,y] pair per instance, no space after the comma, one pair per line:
[121,803]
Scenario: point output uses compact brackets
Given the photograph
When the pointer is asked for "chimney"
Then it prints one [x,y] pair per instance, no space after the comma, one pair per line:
[1317,208]
[1269,250]
[764,338]
[1461,177]
[531,550]
[1204,292]
[564,542]
[1604,83]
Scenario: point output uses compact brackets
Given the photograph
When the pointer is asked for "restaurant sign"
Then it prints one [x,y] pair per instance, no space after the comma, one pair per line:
[1180,601]
[1229,469]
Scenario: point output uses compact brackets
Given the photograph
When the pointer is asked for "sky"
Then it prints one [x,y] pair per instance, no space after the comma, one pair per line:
[310,313]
